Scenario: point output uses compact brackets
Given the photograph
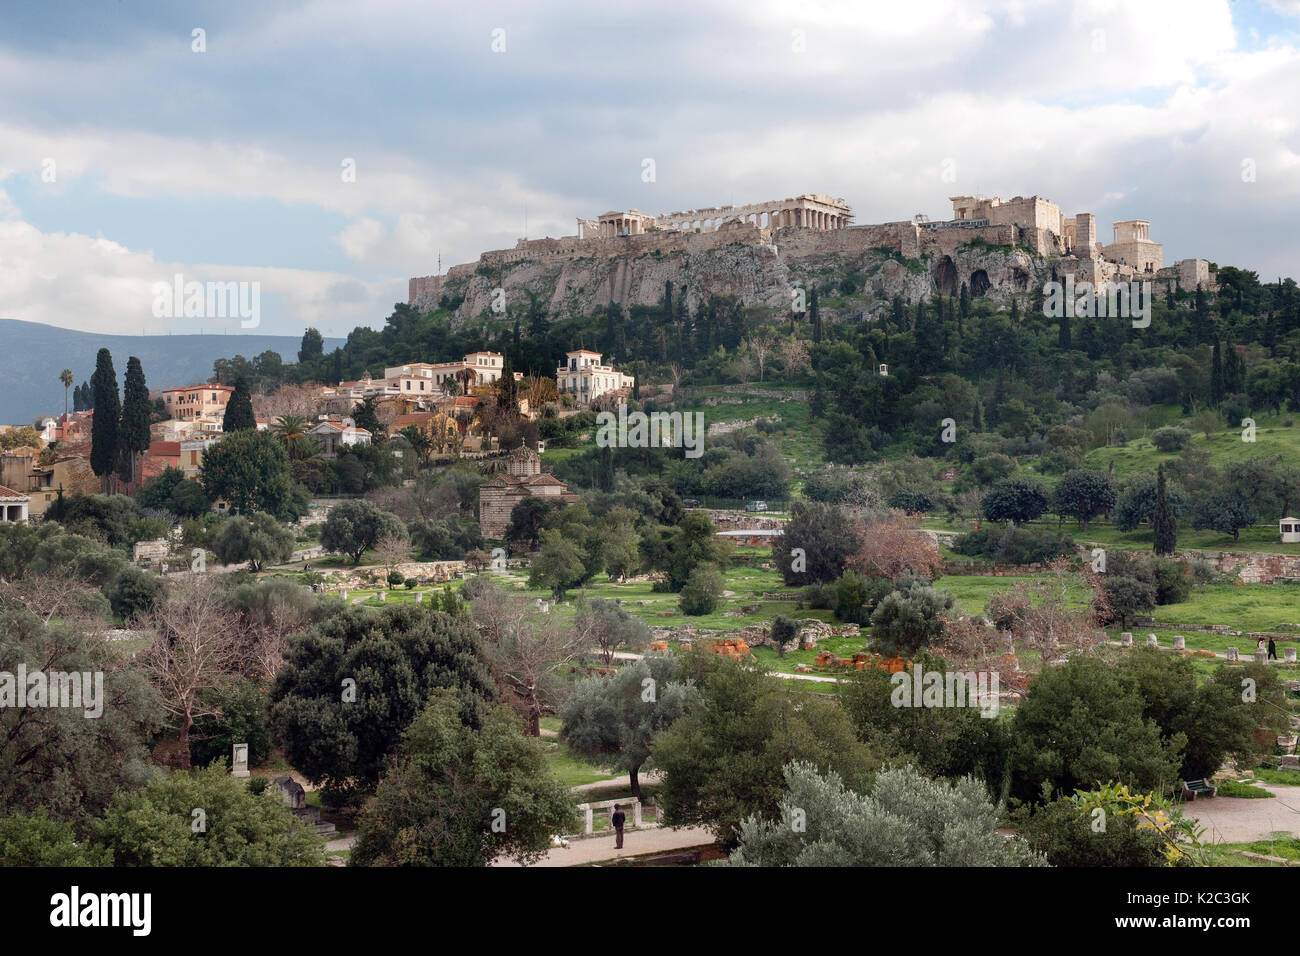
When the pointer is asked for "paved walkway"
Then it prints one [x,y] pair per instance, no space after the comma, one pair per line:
[635,843]
[1242,820]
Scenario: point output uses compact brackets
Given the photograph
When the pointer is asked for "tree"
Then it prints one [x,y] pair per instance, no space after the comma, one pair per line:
[1226,512]
[250,470]
[312,348]
[784,631]
[354,682]
[558,566]
[605,625]
[66,378]
[825,538]
[1137,502]
[354,527]
[891,545]
[460,795]
[239,410]
[365,414]
[907,819]
[614,720]
[678,550]
[527,520]
[702,591]
[1016,500]
[1163,522]
[108,411]
[1083,495]
[37,840]
[908,619]
[55,757]
[156,826]
[260,540]
[620,545]
[193,653]
[722,760]
[525,650]
[133,432]
[1081,726]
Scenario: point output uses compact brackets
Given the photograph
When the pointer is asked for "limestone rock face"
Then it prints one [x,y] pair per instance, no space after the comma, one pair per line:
[575,277]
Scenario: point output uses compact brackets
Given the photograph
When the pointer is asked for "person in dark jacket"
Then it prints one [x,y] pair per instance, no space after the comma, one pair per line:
[618,819]
[1272,650]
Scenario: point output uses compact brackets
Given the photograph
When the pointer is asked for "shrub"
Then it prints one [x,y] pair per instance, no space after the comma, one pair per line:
[702,591]
[1015,545]
[1170,439]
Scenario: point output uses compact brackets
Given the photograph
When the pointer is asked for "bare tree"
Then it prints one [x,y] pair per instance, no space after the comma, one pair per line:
[195,651]
[525,649]
[794,353]
[761,344]
[392,549]
[890,545]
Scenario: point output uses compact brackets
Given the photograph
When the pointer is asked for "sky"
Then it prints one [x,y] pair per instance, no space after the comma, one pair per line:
[327,150]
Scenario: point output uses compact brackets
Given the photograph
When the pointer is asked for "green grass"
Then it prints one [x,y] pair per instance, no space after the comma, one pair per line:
[1237,788]
[1271,438]
[1282,844]
[1289,778]
[572,770]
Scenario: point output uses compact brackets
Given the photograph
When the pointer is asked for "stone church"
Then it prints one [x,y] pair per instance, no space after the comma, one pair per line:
[523,478]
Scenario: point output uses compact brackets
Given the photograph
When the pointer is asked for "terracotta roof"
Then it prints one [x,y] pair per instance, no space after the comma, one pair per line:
[10,493]
[543,479]
[165,449]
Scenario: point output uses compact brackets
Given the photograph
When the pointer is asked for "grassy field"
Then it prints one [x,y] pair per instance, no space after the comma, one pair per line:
[1260,539]
[1272,438]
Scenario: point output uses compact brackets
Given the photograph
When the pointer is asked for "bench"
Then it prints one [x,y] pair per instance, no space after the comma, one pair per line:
[1198,788]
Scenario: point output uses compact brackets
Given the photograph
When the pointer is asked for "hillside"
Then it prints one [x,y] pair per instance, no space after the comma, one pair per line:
[32,355]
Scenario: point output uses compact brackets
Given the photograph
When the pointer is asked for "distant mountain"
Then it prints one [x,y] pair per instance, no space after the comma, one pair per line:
[32,355]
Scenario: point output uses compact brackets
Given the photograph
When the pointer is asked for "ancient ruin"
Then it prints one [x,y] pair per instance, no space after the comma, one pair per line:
[762,253]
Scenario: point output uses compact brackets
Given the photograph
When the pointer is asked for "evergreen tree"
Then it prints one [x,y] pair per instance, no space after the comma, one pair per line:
[239,410]
[536,318]
[816,316]
[313,346]
[507,387]
[1216,376]
[1015,311]
[963,304]
[1203,325]
[1063,338]
[108,410]
[1162,518]
[133,432]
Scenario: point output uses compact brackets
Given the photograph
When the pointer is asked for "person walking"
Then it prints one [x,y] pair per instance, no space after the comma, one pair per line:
[618,819]
[1272,650]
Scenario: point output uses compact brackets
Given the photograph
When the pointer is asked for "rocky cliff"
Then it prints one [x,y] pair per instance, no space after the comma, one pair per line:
[863,268]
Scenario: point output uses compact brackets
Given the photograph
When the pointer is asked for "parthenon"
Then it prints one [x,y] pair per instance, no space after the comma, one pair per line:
[808,210]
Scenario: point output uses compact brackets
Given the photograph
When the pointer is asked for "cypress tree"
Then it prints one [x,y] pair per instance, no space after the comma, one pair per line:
[1162,518]
[1063,338]
[313,346]
[816,316]
[1216,375]
[239,411]
[133,432]
[963,303]
[108,410]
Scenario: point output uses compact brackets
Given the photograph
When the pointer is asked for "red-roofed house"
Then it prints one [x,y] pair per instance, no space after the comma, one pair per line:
[523,479]
[333,436]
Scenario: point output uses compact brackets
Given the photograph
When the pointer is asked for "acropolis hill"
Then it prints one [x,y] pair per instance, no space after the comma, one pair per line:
[762,251]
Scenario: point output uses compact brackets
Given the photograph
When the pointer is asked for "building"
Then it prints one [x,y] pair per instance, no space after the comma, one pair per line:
[13,505]
[197,401]
[522,479]
[1290,530]
[21,471]
[335,435]
[192,449]
[583,377]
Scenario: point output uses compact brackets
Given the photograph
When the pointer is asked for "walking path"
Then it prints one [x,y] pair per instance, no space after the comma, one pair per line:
[1242,820]
[635,843]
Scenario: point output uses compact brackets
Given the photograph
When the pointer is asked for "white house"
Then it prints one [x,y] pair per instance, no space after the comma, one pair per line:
[333,436]
[1290,530]
[13,505]
[583,377]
